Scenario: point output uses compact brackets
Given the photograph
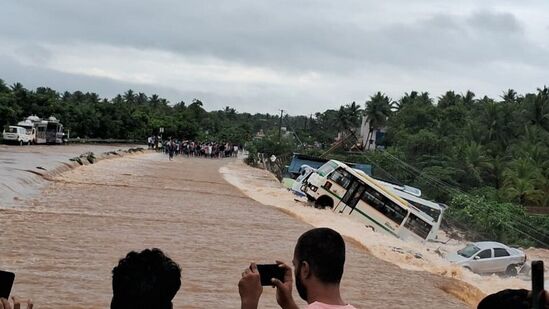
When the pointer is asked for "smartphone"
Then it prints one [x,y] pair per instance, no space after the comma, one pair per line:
[537,284]
[6,282]
[269,271]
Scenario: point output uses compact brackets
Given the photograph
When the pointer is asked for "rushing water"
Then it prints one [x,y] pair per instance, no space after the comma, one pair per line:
[19,166]
[63,244]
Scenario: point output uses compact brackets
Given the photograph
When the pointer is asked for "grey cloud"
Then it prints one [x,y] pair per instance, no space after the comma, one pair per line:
[32,76]
[33,54]
[281,34]
[496,22]
[337,39]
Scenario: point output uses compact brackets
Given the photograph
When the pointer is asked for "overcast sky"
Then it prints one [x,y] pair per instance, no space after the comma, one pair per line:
[261,56]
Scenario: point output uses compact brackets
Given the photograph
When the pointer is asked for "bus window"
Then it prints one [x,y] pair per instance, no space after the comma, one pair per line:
[326,169]
[433,213]
[384,205]
[342,177]
[418,226]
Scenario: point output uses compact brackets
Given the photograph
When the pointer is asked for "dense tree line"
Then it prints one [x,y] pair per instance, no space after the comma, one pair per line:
[497,147]
[130,115]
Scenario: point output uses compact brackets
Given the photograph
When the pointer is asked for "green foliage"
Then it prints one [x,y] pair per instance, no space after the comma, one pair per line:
[487,219]
[270,145]
[130,115]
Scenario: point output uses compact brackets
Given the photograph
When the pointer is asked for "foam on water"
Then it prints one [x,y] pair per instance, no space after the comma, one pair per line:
[265,188]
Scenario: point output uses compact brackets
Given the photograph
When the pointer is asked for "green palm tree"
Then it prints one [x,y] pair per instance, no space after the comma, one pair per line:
[510,96]
[450,98]
[378,109]
[129,96]
[468,98]
[520,182]
[536,108]
[522,191]
[475,163]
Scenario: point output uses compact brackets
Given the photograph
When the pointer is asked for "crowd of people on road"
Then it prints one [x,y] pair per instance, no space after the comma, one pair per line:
[175,147]
[150,279]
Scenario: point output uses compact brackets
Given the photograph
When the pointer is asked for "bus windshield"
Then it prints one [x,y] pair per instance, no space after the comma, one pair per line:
[327,168]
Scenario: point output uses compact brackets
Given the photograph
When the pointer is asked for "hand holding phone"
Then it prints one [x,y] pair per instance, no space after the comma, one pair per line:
[6,283]
[270,271]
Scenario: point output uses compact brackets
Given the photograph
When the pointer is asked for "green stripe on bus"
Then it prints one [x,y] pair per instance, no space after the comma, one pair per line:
[338,197]
[372,219]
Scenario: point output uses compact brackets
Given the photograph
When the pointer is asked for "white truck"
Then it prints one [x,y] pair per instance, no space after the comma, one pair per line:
[18,135]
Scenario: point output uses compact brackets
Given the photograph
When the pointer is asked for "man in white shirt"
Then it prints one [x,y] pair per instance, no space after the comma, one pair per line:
[319,258]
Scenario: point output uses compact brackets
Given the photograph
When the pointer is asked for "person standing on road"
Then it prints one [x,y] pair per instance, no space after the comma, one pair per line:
[171,149]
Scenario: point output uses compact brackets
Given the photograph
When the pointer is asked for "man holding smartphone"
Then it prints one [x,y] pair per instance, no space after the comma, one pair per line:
[319,259]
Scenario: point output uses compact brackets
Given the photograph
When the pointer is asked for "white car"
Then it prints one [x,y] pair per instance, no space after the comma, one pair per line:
[16,134]
[489,257]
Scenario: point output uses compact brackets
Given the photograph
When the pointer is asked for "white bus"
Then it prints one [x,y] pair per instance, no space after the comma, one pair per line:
[347,191]
[413,196]
[43,131]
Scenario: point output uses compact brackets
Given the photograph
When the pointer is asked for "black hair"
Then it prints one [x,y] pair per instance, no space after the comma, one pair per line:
[516,299]
[324,250]
[145,280]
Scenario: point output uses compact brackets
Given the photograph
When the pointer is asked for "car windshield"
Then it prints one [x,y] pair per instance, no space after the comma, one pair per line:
[468,251]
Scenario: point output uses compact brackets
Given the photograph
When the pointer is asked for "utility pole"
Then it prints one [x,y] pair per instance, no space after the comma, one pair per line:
[280,125]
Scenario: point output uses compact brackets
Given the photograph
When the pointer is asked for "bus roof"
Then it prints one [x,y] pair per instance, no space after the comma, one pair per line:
[412,197]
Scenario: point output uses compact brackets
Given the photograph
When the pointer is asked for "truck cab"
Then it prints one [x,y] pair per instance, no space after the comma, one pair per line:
[17,135]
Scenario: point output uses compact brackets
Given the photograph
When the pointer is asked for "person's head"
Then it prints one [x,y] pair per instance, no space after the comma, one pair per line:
[506,299]
[145,280]
[319,258]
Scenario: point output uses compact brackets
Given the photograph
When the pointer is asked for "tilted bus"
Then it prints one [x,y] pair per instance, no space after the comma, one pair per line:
[346,191]
[413,196]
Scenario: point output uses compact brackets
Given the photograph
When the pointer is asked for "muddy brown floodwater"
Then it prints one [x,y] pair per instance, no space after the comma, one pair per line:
[63,244]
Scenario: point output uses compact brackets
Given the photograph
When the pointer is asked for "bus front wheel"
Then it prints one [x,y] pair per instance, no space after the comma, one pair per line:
[323,202]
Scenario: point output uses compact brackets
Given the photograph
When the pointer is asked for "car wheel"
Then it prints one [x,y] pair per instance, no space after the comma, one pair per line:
[511,271]
[468,268]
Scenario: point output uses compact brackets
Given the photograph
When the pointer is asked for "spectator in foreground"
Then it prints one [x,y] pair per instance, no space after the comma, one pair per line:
[145,280]
[511,299]
[319,259]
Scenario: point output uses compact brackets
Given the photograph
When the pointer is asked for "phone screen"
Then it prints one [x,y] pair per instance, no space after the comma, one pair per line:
[6,282]
[269,271]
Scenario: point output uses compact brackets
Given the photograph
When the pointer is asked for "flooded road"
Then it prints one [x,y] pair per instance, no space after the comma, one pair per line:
[63,244]
[20,164]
